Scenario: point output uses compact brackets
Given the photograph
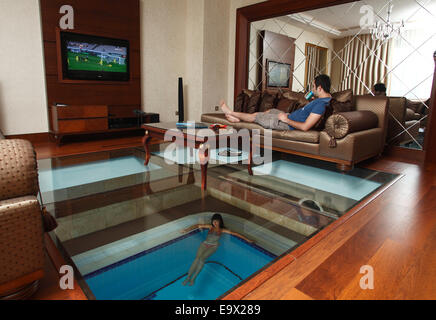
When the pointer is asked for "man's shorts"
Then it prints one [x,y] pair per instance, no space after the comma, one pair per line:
[270,120]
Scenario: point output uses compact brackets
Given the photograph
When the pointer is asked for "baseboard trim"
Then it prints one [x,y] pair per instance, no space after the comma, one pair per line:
[32,137]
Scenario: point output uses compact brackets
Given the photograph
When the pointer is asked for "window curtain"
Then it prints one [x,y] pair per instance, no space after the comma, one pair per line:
[412,71]
[364,63]
[313,64]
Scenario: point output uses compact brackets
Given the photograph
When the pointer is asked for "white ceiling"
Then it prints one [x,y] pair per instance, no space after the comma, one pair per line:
[346,18]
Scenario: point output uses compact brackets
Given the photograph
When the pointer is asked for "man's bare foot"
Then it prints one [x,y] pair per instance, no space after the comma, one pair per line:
[225,108]
[232,118]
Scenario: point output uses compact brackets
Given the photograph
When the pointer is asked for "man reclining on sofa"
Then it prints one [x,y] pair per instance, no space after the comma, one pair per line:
[302,119]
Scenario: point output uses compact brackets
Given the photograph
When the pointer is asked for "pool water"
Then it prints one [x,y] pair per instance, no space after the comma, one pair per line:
[76,175]
[343,185]
[119,221]
[158,273]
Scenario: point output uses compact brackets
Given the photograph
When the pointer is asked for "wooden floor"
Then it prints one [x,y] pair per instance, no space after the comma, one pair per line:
[395,234]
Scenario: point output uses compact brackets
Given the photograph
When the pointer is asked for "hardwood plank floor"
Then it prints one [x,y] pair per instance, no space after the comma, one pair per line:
[395,234]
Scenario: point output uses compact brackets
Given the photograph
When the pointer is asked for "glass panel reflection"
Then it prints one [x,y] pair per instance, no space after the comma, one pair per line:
[396,59]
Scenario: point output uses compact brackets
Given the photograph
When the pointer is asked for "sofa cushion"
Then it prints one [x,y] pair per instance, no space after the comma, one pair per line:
[221,118]
[241,100]
[311,148]
[338,106]
[320,125]
[311,136]
[267,102]
[296,96]
[412,115]
[340,124]
[413,105]
[417,106]
[253,103]
[343,96]
[287,105]
[423,109]
[248,92]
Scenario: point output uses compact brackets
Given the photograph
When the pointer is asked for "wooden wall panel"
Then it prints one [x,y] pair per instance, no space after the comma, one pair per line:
[93,94]
[113,18]
[107,18]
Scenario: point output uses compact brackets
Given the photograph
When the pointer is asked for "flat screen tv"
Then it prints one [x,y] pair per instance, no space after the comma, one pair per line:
[86,57]
[278,75]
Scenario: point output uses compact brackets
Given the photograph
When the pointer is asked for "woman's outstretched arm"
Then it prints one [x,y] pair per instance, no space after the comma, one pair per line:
[237,235]
[195,226]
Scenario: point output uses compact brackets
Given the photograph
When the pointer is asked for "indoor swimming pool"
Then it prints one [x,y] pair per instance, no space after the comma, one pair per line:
[158,273]
[120,222]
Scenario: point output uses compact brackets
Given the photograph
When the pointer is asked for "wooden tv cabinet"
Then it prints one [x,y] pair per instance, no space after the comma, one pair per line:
[90,119]
[78,119]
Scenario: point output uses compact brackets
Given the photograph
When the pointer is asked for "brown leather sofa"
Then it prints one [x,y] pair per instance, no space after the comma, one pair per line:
[21,229]
[351,149]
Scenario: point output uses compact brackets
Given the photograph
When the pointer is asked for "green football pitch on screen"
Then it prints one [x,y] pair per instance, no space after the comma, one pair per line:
[87,62]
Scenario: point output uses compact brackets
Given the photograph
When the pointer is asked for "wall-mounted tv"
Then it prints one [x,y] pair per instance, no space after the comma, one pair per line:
[278,74]
[86,57]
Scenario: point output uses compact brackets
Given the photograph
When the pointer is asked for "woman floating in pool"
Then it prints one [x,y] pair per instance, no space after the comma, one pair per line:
[209,246]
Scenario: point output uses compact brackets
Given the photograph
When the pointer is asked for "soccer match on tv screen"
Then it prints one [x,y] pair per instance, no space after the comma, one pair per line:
[96,57]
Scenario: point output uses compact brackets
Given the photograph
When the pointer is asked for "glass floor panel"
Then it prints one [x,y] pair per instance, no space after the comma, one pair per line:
[309,183]
[120,223]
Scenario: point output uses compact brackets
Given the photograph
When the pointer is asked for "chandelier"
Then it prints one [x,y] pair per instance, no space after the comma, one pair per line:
[386,30]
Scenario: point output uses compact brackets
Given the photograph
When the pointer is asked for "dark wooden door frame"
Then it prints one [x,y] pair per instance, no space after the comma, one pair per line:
[274,8]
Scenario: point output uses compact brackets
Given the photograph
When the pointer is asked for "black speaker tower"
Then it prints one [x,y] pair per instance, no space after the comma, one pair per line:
[181,103]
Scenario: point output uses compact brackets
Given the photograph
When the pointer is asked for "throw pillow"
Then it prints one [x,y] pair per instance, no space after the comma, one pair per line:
[249,93]
[424,107]
[253,103]
[296,96]
[241,100]
[267,102]
[417,106]
[341,124]
[287,105]
[320,125]
[338,106]
[343,96]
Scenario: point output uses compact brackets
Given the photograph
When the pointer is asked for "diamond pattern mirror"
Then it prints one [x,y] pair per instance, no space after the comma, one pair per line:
[372,47]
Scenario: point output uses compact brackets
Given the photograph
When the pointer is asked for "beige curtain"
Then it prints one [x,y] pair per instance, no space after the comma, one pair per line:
[314,66]
[364,63]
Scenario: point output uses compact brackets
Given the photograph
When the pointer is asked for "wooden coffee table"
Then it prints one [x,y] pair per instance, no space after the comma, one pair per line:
[194,138]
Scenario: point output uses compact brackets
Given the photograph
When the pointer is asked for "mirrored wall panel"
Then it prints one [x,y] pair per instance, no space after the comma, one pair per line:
[370,47]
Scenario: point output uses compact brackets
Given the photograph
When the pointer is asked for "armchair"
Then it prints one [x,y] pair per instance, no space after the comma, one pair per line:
[21,228]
